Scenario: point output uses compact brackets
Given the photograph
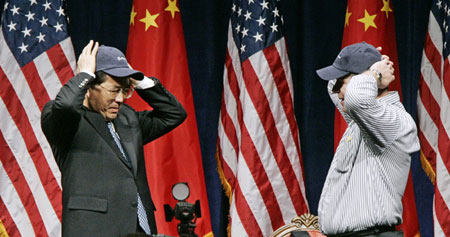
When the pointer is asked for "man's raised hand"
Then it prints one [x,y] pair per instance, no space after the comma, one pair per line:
[86,61]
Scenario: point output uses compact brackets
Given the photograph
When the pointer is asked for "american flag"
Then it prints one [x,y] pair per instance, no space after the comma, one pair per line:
[433,107]
[36,59]
[258,143]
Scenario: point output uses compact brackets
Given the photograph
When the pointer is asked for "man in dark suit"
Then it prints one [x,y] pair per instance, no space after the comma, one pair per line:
[97,141]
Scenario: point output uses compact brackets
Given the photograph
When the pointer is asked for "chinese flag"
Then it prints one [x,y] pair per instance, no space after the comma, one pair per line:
[373,22]
[156,47]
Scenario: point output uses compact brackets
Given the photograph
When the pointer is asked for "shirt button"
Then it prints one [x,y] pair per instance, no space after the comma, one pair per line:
[134,204]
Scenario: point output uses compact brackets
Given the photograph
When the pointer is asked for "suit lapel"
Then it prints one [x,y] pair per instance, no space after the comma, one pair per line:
[124,132]
[98,122]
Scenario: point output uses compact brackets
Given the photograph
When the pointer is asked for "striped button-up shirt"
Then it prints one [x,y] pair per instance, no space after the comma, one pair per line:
[369,171]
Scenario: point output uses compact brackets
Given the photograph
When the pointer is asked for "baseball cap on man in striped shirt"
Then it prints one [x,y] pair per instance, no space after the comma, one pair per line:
[355,58]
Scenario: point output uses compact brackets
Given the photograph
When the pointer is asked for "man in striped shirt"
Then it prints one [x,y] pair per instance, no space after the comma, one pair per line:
[362,194]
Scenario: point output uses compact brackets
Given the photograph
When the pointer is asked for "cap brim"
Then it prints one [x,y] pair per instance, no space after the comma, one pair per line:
[331,73]
[124,72]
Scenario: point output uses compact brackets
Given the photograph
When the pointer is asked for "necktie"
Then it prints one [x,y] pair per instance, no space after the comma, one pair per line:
[117,141]
[142,215]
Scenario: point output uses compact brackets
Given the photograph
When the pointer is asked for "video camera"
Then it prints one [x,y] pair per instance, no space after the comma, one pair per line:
[187,213]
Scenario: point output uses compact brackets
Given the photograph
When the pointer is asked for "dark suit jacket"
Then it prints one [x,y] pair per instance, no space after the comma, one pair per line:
[99,187]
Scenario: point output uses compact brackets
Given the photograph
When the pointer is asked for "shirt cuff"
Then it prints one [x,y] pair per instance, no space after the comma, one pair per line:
[90,73]
[145,83]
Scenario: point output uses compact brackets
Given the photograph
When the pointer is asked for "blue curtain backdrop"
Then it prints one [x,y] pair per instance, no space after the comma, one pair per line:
[314,33]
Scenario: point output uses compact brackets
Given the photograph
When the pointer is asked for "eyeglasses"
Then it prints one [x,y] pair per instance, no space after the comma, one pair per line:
[126,92]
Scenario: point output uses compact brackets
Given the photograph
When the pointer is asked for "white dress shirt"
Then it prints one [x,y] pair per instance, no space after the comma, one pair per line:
[367,177]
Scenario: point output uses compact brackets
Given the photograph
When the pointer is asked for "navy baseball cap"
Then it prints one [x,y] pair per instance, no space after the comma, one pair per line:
[355,58]
[113,62]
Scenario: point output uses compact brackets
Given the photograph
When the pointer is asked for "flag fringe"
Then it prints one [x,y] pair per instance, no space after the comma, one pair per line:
[3,232]
[427,168]
[223,180]
[226,186]
[210,234]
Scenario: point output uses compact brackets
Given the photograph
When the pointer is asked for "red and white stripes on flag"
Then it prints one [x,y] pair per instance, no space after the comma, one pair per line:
[30,187]
[433,107]
[258,144]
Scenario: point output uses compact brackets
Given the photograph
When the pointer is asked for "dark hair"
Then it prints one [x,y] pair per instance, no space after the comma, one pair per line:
[339,82]
[337,86]
[100,77]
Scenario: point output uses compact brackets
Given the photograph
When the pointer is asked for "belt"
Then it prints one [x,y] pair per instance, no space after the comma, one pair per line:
[370,231]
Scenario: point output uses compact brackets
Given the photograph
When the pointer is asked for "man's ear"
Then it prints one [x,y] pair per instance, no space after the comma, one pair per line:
[86,97]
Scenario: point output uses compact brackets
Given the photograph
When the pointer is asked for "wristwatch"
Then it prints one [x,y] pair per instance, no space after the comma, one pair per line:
[379,76]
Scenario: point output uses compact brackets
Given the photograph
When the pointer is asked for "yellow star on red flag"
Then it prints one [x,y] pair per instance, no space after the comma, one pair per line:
[149,20]
[368,20]
[347,17]
[133,15]
[172,7]
[386,8]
